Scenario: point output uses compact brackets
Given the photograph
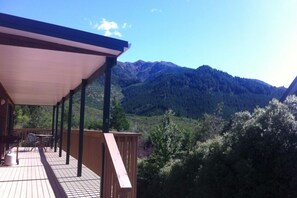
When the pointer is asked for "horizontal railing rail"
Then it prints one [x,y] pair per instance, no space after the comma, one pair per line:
[23,133]
[115,173]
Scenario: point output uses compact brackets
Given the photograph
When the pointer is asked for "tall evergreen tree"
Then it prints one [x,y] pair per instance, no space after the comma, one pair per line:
[166,139]
[118,119]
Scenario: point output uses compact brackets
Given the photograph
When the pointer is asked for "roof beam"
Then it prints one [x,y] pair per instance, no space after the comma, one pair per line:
[21,41]
[51,30]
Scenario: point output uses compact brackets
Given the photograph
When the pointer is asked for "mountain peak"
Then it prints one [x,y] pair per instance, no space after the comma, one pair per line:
[139,62]
[142,70]
[204,67]
[149,63]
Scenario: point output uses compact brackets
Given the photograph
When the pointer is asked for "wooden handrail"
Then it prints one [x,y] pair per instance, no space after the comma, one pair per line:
[117,162]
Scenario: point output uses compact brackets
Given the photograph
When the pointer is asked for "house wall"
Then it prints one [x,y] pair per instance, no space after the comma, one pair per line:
[4,116]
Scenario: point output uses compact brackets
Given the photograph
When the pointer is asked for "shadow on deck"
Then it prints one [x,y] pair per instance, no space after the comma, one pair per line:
[44,174]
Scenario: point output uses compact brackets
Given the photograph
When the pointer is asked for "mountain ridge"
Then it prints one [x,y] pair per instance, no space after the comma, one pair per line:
[151,88]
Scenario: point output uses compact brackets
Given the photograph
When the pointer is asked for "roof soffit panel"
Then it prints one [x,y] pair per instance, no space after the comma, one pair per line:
[32,72]
[40,62]
[37,64]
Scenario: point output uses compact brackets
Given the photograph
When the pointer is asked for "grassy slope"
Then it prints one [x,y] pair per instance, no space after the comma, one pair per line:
[146,124]
[141,124]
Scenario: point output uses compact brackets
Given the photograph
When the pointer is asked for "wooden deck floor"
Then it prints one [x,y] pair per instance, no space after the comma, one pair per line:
[45,174]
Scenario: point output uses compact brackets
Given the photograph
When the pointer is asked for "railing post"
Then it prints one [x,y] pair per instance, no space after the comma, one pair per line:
[69,126]
[81,127]
[53,126]
[110,62]
[56,129]
[62,127]
[102,170]
[10,122]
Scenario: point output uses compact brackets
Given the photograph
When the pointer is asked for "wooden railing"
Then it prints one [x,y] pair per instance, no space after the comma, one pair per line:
[120,161]
[115,184]
[117,169]
[22,133]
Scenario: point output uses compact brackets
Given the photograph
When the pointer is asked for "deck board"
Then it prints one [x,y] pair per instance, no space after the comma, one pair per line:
[30,178]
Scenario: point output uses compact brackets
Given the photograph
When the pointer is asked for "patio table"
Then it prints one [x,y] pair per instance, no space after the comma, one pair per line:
[42,140]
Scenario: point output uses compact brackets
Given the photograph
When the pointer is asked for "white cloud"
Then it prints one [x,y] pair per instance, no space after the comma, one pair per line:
[156,10]
[107,25]
[110,28]
[126,25]
[117,33]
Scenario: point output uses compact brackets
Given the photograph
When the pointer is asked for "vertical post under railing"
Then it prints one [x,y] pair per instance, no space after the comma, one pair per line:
[110,62]
[102,170]
[69,127]
[81,127]
[10,122]
[62,127]
[53,127]
[56,128]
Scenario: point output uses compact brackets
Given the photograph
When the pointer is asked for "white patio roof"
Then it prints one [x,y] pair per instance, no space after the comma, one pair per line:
[40,62]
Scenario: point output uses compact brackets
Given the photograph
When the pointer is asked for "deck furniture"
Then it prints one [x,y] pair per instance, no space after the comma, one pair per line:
[44,140]
[31,141]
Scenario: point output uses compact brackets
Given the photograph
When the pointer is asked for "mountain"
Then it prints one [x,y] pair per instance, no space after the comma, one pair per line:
[150,88]
[132,73]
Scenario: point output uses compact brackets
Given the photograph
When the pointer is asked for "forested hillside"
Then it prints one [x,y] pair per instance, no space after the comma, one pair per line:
[151,88]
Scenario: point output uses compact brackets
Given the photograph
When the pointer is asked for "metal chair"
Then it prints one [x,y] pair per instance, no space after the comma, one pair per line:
[31,141]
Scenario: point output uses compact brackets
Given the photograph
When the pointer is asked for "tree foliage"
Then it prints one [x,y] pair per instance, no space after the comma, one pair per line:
[210,125]
[168,144]
[166,140]
[32,117]
[118,119]
[255,155]
[21,116]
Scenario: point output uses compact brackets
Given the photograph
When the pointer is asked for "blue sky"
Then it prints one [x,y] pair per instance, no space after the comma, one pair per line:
[246,38]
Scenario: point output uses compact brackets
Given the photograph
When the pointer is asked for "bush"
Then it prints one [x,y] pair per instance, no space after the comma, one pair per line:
[255,157]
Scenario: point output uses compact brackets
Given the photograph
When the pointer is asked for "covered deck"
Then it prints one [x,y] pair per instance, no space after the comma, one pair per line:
[42,174]
[46,64]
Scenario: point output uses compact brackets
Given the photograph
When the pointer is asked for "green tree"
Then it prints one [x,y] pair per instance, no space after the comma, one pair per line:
[22,116]
[118,119]
[40,117]
[256,157]
[291,102]
[166,139]
[210,125]
[32,117]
